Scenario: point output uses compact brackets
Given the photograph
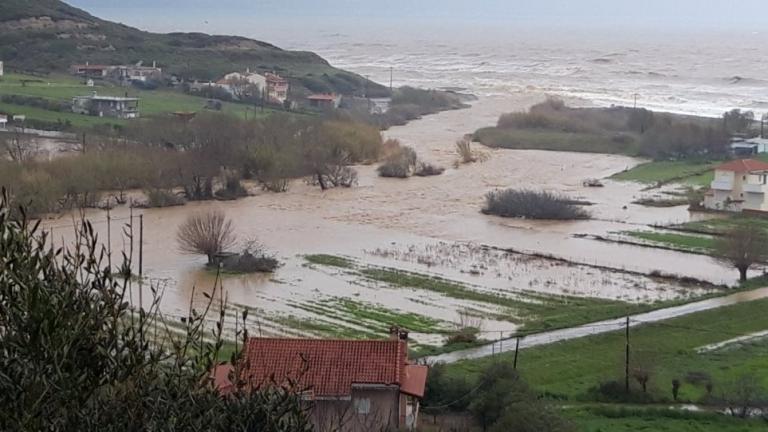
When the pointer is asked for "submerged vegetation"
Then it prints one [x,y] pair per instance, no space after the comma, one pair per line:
[532,205]
[205,158]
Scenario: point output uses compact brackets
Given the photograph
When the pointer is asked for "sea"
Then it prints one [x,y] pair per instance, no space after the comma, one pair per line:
[702,73]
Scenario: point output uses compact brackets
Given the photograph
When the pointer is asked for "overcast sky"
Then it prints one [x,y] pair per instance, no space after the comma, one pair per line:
[219,16]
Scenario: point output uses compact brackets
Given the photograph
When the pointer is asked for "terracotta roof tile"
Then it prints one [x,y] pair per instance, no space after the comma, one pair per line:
[325,367]
[743,165]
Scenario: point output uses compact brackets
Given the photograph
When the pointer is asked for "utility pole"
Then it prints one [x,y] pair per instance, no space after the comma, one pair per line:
[391,75]
[626,360]
[636,95]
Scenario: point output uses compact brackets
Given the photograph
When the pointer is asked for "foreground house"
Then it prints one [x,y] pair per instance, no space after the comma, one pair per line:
[739,186]
[106,106]
[352,385]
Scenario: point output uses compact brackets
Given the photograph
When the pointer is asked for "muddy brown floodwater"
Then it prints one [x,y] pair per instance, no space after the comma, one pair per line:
[392,213]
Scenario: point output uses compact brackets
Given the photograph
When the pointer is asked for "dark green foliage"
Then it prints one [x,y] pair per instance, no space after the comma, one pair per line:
[76,356]
[506,403]
[531,204]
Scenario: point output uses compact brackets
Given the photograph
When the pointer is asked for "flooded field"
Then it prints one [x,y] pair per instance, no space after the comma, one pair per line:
[396,234]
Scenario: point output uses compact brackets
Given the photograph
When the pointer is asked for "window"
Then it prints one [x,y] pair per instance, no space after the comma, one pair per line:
[362,406]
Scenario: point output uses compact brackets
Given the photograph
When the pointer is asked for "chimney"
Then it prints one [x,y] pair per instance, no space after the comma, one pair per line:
[396,333]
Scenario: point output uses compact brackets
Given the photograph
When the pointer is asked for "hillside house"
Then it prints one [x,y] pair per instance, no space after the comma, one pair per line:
[136,73]
[90,71]
[324,101]
[248,77]
[277,88]
[352,385]
[739,186]
[3,121]
[106,106]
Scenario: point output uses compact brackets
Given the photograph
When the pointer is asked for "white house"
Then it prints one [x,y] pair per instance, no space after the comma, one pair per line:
[739,185]
[248,77]
[3,121]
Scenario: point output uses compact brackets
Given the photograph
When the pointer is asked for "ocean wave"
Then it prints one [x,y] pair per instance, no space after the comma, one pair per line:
[745,80]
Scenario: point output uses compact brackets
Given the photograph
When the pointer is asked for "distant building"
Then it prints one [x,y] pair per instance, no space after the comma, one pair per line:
[739,186]
[90,71]
[106,106]
[3,121]
[247,77]
[749,146]
[277,88]
[364,385]
[136,73]
[2,70]
[324,101]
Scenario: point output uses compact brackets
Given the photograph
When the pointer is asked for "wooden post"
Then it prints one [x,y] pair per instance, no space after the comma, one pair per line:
[517,350]
[109,240]
[141,245]
[626,360]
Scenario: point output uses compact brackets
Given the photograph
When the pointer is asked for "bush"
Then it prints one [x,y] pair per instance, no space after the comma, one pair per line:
[531,205]
[464,149]
[159,198]
[400,163]
[615,391]
[424,169]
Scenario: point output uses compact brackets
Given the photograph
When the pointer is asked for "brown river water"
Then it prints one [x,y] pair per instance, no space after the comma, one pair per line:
[428,224]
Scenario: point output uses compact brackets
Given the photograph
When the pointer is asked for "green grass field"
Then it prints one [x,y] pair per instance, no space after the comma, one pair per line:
[667,349]
[542,139]
[656,420]
[684,242]
[63,88]
[693,173]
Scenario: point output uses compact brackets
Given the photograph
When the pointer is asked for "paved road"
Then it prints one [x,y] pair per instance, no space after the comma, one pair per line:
[545,338]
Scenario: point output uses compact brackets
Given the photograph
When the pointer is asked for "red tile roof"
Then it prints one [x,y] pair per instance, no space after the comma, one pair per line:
[330,367]
[743,165]
[323,97]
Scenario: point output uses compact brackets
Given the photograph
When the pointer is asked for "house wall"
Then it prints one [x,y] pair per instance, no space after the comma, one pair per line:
[343,415]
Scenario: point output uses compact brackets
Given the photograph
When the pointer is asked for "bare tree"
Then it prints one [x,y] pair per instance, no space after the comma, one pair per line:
[19,147]
[206,234]
[742,247]
[743,396]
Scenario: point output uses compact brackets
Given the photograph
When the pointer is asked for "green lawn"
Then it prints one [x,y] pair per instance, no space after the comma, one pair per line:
[64,88]
[722,225]
[656,420]
[694,173]
[667,349]
[685,242]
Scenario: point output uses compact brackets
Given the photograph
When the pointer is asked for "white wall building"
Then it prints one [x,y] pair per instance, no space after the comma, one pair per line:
[739,185]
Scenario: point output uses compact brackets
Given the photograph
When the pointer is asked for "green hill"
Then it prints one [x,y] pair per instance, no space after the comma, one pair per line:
[50,35]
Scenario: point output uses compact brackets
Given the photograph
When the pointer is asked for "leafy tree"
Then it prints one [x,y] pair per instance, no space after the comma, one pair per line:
[506,403]
[76,355]
[743,246]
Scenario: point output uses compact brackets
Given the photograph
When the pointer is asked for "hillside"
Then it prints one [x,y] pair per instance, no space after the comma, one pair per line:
[50,35]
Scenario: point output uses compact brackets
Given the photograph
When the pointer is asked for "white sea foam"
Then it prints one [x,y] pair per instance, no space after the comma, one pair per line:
[693,76]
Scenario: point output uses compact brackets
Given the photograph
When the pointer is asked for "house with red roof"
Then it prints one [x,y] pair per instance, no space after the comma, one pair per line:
[277,88]
[351,385]
[740,186]
[324,101]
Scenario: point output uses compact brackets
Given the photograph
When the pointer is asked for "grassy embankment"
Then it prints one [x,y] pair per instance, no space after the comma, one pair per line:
[62,88]
[668,350]
[697,236]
